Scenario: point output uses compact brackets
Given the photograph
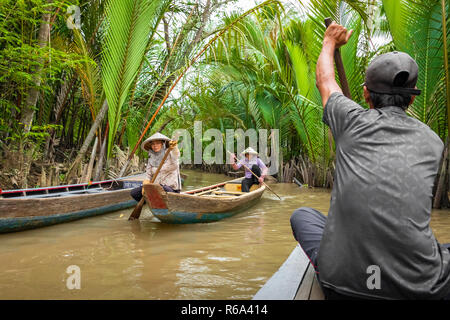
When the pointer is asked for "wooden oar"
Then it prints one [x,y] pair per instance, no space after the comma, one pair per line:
[138,209]
[340,67]
[256,176]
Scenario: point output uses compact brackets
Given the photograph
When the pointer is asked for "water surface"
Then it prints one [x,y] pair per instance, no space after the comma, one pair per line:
[145,259]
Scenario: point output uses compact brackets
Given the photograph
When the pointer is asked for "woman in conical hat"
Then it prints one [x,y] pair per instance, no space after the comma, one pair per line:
[168,176]
[251,161]
[157,137]
[249,151]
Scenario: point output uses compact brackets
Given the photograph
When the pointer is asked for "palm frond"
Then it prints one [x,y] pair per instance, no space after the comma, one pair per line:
[128,30]
[417,29]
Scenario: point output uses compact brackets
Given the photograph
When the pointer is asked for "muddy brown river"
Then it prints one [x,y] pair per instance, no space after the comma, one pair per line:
[145,259]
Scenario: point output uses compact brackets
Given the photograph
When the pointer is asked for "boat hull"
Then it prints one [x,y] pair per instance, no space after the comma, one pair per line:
[32,222]
[186,217]
[39,210]
[186,208]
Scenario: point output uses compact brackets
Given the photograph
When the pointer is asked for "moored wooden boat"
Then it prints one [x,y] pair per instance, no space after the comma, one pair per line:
[295,280]
[208,204]
[33,208]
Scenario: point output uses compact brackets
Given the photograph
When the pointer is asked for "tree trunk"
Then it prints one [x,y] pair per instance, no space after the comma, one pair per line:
[43,180]
[83,125]
[61,101]
[101,158]
[88,140]
[441,185]
[280,173]
[75,114]
[91,162]
[33,93]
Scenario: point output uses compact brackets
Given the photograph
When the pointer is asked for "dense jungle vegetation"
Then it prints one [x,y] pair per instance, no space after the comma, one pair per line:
[80,80]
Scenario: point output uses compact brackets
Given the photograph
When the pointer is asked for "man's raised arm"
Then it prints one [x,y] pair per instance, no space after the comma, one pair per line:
[335,37]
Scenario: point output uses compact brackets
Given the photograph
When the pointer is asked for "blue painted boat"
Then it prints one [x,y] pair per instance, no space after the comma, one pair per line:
[208,204]
[38,207]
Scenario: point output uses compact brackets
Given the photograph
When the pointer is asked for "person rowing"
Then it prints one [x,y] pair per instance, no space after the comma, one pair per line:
[169,175]
[253,162]
[376,242]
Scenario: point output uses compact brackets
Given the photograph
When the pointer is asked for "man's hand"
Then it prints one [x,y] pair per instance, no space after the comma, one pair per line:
[172,144]
[232,157]
[261,180]
[337,35]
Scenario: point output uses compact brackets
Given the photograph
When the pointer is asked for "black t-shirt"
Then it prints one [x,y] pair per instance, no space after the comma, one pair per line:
[380,209]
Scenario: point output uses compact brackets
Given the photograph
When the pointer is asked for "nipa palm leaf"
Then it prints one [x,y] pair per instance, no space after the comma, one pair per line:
[127,31]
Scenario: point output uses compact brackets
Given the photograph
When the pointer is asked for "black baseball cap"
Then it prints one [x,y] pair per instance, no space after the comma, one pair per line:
[393,73]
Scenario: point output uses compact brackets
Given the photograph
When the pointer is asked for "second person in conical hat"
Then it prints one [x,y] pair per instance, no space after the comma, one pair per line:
[250,161]
[168,177]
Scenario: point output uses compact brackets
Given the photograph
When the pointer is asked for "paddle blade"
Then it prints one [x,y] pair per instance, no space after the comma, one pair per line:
[137,210]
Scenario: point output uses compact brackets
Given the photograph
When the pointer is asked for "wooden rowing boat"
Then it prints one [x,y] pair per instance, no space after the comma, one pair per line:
[208,204]
[295,280]
[34,208]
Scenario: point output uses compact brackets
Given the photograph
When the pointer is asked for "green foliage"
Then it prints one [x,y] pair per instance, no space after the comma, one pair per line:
[127,32]
[260,72]
[37,135]
[21,55]
[417,29]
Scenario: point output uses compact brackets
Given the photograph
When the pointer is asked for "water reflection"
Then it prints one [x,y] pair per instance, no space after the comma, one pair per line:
[145,259]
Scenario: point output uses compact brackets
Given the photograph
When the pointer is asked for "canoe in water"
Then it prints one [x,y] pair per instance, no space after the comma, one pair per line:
[208,204]
[34,208]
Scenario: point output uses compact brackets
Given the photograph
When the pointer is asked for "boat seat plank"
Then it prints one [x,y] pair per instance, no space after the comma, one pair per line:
[316,290]
[295,280]
[214,196]
[234,181]
[205,192]
[233,187]
[284,284]
[304,290]
[239,193]
[310,287]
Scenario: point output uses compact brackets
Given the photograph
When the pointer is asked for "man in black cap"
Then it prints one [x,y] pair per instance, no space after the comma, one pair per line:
[376,242]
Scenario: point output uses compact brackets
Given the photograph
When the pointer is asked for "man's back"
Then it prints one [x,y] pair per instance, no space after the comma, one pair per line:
[381,201]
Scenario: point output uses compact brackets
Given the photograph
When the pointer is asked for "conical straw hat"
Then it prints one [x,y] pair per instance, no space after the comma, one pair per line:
[157,136]
[249,150]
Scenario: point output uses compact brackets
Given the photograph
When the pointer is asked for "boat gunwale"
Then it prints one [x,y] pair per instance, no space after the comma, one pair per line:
[56,197]
[65,186]
[285,283]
